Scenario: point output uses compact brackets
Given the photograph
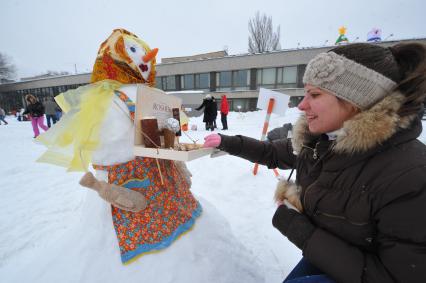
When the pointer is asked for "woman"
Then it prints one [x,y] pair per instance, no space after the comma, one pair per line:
[210,111]
[36,111]
[360,189]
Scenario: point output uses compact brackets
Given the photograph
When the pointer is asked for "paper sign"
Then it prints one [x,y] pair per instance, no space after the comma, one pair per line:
[152,102]
[281,101]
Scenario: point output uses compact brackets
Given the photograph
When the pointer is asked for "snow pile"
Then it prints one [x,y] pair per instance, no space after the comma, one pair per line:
[53,230]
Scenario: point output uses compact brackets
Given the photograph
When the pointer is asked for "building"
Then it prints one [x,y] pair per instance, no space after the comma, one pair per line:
[192,77]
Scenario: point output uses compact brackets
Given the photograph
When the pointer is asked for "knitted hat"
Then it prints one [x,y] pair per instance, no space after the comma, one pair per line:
[347,79]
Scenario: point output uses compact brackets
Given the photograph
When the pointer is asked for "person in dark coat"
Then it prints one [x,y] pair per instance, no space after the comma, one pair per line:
[280,132]
[357,208]
[36,111]
[210,111]
[214,112]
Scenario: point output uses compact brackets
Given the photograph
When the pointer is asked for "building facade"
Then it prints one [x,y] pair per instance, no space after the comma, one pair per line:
[191,78]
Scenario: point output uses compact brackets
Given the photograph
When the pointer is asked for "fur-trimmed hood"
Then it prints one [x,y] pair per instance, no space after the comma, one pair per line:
[364,131]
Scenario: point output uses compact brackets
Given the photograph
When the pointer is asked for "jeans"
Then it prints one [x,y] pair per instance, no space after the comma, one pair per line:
[305,272]
[224,121]
[2,119]
[50,117]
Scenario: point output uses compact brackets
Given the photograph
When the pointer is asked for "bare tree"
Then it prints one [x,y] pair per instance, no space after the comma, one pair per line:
[261,34]
[7,69]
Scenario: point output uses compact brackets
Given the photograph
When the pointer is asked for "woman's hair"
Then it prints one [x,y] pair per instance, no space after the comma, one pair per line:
[404,63]
[30,96]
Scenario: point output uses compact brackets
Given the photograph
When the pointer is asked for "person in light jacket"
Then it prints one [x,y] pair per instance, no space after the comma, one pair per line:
[2,116]
[357,208]
[50,107]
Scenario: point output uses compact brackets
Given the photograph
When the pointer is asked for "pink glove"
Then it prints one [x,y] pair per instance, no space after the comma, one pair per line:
[212,140]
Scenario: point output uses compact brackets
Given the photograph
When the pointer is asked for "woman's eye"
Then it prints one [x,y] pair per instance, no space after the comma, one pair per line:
[133,49]
[314,94]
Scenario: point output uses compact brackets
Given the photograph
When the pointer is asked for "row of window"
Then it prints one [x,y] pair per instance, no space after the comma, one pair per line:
[15,100]
[48,91]
[278,77]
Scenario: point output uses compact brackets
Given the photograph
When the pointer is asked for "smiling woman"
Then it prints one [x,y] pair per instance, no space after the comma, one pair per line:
[360,184]
[324,111]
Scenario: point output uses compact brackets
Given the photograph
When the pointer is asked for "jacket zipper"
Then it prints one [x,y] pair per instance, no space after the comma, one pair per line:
[340,217]
[314,149]
[306,192]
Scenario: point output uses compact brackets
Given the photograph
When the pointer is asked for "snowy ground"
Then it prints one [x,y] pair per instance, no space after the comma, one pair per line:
[41,203]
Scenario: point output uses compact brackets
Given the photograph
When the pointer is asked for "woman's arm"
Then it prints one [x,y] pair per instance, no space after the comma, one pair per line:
[27,110]
[201,106]
[278,154]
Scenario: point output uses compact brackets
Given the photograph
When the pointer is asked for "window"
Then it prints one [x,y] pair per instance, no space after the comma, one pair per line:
[282,77]
[233,80]
[224,80]
[166,83]
[202,81]
[266,77]
[158,83]
[290,75]
[188,81]
[287,77]
[170,83]
[240,79]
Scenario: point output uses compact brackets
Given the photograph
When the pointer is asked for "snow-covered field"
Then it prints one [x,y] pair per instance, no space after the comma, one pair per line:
[42,205]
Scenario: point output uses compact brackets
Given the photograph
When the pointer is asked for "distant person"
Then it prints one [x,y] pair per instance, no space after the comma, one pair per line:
[36,111]
[280,132]
[209,111]
[214,112]
[2,116]
[58,113]
[50,107]
[357,207]
[224,110]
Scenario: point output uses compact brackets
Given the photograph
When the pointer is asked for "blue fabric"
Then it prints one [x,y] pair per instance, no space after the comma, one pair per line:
[305,272]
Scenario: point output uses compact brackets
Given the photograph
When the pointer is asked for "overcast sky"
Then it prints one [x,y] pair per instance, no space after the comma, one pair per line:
[61,34]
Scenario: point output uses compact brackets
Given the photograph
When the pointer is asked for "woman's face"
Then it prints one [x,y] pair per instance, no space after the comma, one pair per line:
[324,111]
[30,100]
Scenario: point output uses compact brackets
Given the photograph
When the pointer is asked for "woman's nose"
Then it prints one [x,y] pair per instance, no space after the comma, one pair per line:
[303,105]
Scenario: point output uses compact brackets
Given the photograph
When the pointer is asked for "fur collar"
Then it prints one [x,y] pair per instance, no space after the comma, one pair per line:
[364,131]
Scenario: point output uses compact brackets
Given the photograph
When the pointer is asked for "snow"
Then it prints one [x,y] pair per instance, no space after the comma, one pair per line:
[54,230]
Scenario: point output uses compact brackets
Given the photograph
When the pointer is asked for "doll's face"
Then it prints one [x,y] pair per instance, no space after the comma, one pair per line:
[138,55]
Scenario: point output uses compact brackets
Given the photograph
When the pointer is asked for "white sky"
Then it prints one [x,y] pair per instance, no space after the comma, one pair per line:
[58,34]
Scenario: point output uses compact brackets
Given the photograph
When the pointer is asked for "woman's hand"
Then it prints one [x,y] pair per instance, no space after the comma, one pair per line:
[212,140]
[292,224]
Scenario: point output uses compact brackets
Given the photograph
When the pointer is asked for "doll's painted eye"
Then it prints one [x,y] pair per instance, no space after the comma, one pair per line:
[133,49]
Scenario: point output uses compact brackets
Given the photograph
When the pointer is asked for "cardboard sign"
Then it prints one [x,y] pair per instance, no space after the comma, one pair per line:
[152,102]
[281,101]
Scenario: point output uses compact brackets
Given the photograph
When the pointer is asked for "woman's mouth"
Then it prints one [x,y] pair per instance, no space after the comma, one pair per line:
[310,118]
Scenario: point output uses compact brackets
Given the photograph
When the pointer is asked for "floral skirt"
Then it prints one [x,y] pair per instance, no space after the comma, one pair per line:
[171,209]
